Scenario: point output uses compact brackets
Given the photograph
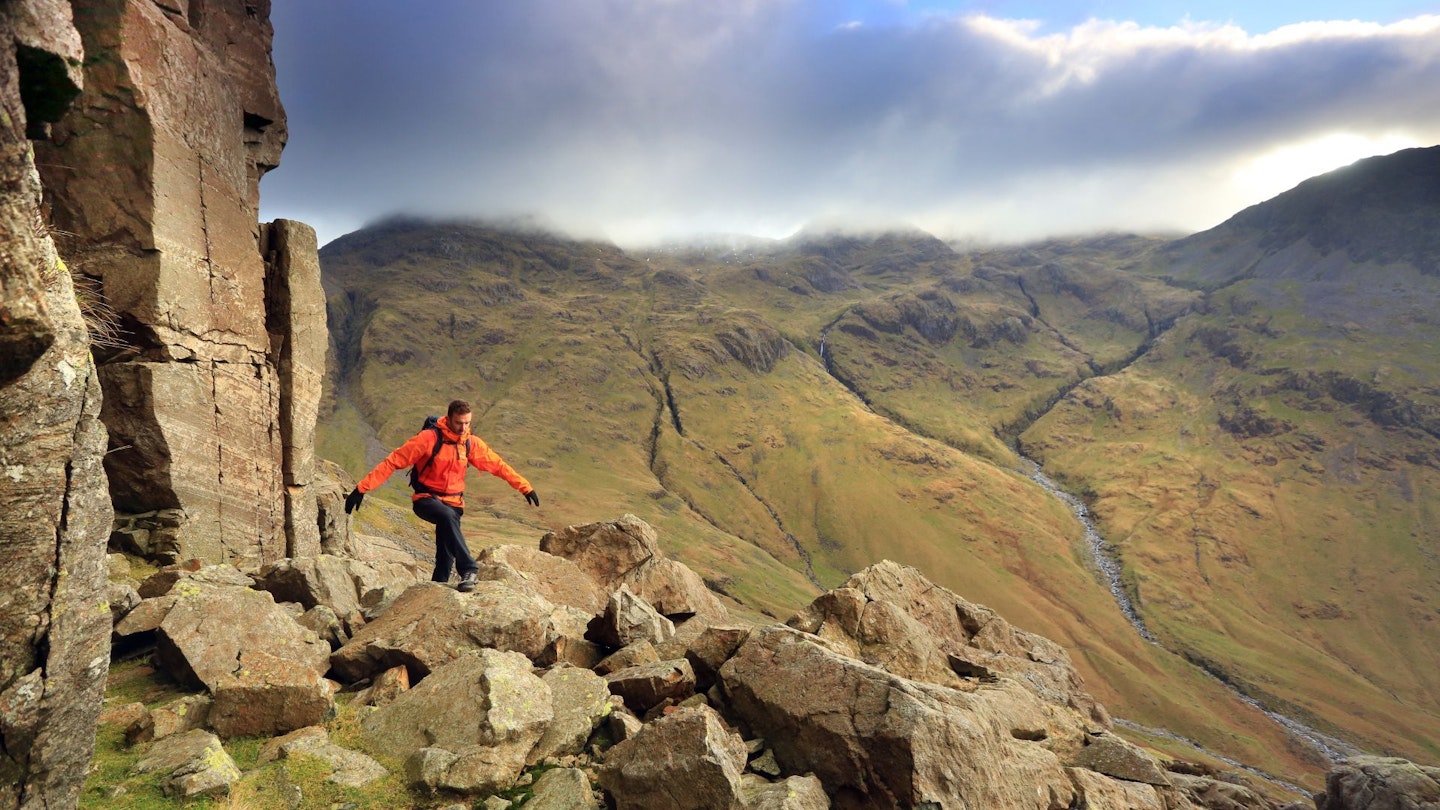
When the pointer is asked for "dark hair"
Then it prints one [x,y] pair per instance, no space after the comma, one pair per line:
[458,407]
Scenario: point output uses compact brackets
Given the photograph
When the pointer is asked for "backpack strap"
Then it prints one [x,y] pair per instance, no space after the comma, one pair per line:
[417,469]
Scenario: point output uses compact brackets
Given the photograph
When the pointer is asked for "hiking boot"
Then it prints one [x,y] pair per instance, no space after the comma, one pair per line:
[467,583]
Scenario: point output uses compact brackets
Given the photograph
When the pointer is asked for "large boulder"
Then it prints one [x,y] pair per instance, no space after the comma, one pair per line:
[319,580]
[794,793]
[270,694]
[1380,783]
[207,634]
[469,726]
[559,580]
[432,624]
[890,615]
[1217,794]
[895,743]
[605,551]
[580,700]
[687,760]
[627,552]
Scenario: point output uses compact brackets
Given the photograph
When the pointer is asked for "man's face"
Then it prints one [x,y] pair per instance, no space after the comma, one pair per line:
[460,423]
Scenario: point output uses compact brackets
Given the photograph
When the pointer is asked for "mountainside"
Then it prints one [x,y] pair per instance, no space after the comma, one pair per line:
[1258,444]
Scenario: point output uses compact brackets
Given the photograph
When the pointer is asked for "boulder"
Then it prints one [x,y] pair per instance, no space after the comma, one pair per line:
[310,581]
[347,768]
[711,649]
[432,624]
[270,695]
[890,615]
[627,552]
[176,717]
[605,551]
[557,579]
[562,789]
[192,764]
[640,652]
[1113,756]
[675,590]
[577,652]
[205,637]
[1099,792]
[1380,783]
[795,793]
[164,581]
[323,622]
[645,686]
[390,684]
[122,598]
[469,725]
[687,760]
[580,701]
[895,743]
[627,619]
[1217,794]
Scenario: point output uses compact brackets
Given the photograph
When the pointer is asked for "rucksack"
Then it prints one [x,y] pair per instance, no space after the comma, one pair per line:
[432,423]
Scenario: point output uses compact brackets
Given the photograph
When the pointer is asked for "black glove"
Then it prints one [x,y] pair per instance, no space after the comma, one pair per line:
[352,501]
[532,498]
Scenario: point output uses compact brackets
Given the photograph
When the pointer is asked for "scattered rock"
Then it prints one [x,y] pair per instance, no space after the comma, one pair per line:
[205,634]
[268,694]
[687,760]
[711,649]
[469,725]
[1217,794]
[581,701]
[605,551]
[1380,783]
[628,619]
[432,624]
[193,763]
[557,579]
[640,652]
[1113,756]
[1098,791]
[348,768]
[562,789]
[176,717]
[645,686]
[795,793]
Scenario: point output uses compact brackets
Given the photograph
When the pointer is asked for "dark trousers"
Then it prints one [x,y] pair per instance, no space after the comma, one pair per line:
[450,548]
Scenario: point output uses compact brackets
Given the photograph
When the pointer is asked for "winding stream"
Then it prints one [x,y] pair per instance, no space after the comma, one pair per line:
[1331,748]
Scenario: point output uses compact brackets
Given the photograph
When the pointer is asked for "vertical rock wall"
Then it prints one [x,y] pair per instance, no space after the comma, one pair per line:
[155,171]
[54,509]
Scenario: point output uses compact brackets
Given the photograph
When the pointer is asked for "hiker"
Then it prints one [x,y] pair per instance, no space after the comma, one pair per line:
[438,456]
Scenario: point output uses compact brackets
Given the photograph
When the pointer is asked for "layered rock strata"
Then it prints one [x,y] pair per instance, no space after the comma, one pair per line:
[155,174]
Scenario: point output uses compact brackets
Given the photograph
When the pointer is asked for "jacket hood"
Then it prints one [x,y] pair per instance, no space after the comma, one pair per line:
[450,435]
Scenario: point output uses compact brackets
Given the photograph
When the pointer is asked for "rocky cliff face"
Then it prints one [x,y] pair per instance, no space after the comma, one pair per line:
[54,512]
[151,174]
[155,172]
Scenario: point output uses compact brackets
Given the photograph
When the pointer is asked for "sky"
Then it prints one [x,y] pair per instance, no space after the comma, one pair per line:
[650,121]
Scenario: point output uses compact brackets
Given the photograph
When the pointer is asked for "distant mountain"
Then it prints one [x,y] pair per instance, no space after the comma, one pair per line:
[1376,212]
[1250,413]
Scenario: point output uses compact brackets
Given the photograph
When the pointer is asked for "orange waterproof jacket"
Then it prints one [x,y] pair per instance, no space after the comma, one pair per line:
[446,474]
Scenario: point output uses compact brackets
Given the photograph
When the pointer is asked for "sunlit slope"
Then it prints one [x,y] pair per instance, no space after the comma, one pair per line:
[691,391]
[1270,472]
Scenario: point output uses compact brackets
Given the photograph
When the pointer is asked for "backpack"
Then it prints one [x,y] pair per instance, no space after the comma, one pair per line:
[432,423]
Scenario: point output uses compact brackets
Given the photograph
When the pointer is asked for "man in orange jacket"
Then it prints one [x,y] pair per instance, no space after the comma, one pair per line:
[439,483]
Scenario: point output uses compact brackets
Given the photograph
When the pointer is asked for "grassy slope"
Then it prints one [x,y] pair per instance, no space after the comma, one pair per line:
[1301,561]
[608,380]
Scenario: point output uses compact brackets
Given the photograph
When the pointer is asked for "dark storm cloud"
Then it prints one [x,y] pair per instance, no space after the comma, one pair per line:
[658,118]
